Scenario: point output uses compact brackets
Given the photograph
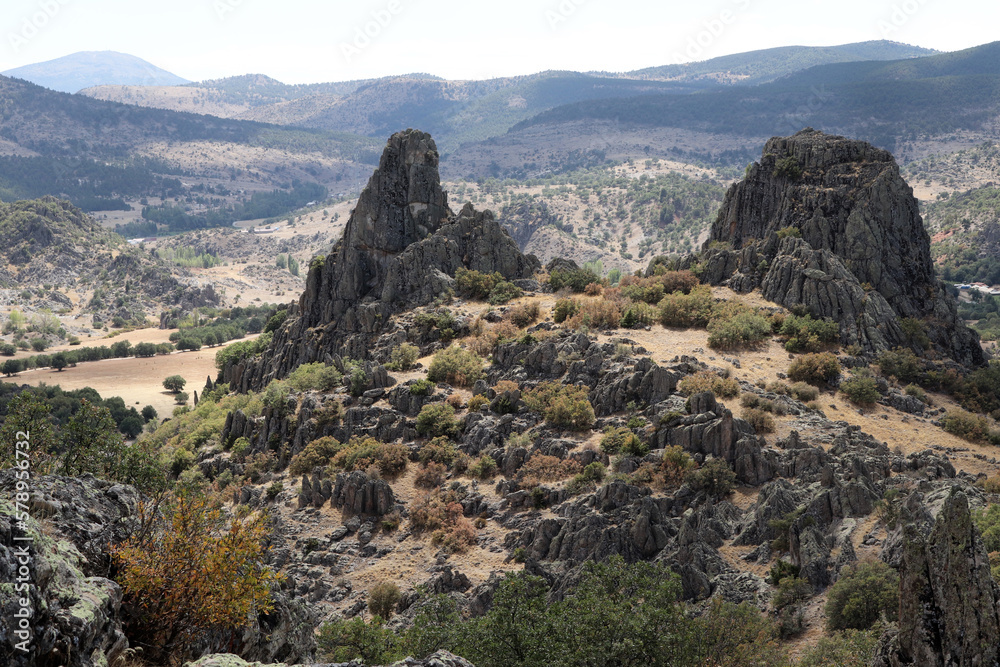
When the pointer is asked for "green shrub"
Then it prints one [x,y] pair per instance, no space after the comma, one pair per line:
[437,419]
[439,450]
[968,426]
[806,334]
[786,232]
[421,387]
[504,292]
[565,309]
[816,368]
[745,329]
[714,477]
[916,392]
[484,468]
[455,366]
[314,455]
[781,570]
[791,590]
[475,284]
[863,594]
[850,648]
[274,490]
[315,377]
[915,333]
[403,357]
[761,421]
[343,640]
[687,310]
[988,522]
[363,452]
[575,279]
[477,402]
[902,364]
[638,315]
[622,441]
[788,167]
[565,406]
[860,389]
[383,598]
[804,392]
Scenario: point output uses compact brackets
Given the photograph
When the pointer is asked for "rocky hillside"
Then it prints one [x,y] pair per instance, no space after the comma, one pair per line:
[829,224]
[510,451]
[54,254]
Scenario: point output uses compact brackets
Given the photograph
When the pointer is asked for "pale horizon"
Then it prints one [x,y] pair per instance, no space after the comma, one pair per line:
[340,41]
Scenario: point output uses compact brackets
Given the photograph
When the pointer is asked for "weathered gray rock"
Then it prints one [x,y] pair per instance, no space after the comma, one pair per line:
[949,605]
[358,493]
[74,616]
[863,258]
[400,249]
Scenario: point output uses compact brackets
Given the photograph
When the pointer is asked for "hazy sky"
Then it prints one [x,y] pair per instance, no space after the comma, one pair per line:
[304,41]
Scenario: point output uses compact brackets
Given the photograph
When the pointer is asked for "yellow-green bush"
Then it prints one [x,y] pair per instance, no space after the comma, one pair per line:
[817,368]
[703,381]
[565,406]
[317,453]
[363,452]
[437,419]
[455,366]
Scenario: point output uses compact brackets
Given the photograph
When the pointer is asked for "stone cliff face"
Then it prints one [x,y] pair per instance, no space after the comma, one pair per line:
[852,245]
[401,248]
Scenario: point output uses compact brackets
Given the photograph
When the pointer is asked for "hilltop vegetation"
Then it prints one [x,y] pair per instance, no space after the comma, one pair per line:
[622,215]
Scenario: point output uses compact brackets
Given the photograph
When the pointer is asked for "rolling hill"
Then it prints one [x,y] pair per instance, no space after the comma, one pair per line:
[95,68]
[466,111]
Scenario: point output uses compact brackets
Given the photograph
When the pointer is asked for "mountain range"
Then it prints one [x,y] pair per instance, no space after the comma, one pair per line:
[93,68]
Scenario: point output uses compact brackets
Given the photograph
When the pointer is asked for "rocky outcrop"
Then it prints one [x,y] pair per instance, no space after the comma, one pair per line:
[949,605]
[400,249]
[852,245]
[74,612]
[358,493]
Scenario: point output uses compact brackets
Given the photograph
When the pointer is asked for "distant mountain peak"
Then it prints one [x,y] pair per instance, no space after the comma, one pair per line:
[85,69]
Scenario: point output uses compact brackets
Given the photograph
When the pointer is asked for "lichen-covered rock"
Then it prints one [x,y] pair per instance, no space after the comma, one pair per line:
[74,618]
[949,605]
[857,251]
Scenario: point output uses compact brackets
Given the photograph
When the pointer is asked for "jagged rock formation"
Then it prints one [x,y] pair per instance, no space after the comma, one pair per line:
[401,248]
[949,605]
[853,247]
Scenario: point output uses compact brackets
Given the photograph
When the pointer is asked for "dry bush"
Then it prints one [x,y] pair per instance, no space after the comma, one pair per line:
[596,314]
[487,340]
[761,421]
[593,289]
[522,314]
[703,381]
[430,475]
[455,401]
[541,468]
[506,385]
[566,406]
[816,368]
[444,518]
[383,598]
